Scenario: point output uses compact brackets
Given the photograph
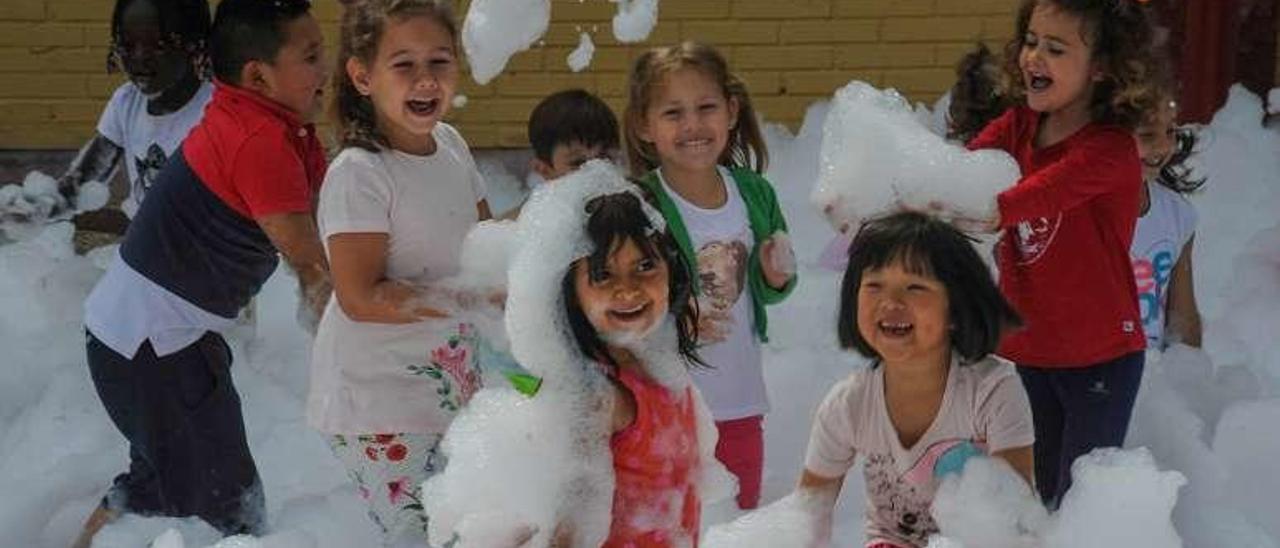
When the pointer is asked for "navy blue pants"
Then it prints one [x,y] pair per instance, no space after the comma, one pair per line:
[1075,411]
[188,454]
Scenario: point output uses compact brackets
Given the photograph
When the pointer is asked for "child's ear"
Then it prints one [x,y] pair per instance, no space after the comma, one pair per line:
[359,75]
[256,75]
[543,169]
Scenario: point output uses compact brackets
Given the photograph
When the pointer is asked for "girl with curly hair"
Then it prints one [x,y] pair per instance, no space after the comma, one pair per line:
[1081,74]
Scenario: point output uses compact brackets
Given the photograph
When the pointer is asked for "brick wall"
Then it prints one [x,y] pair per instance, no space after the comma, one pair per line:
[790,52]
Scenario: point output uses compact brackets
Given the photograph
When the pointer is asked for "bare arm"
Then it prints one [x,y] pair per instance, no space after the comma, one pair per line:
[97,161]
[362,288]
[826,491]
[1022,459]
[1183,316]
[296,237]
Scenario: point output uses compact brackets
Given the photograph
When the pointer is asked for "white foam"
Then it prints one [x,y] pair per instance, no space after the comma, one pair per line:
[580,57]
[635,20]
[878,157]
[495,30]
[92,196]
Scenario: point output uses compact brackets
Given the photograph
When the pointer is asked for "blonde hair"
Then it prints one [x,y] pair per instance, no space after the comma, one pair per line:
[363,23]
[746,146]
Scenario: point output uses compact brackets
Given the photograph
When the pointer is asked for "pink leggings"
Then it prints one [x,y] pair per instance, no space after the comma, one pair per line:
[741,450]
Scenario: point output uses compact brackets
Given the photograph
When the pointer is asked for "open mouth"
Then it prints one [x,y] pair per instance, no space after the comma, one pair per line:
[895,329]
[695,143]
[1153,162]
[1038,82]
[420,107]
[632,314]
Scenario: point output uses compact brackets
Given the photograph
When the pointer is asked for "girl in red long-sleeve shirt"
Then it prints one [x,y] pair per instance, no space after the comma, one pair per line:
[1082,69]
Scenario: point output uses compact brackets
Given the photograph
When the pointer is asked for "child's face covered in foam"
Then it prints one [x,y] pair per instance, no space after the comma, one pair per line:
[626,299]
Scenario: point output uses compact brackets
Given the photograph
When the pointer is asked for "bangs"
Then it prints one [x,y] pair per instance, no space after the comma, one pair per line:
[614,220]
[876,247]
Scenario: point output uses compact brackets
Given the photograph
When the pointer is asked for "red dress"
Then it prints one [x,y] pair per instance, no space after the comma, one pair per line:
[655,466]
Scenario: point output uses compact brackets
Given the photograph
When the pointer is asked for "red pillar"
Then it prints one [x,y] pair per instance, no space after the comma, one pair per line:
[1208,57]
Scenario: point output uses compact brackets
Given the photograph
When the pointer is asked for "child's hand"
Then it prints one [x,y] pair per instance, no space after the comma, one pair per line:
[777,260]
[713,325]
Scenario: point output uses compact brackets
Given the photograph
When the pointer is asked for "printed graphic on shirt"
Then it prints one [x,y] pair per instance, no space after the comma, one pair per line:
[148,167]
[722,274]
[1151,271]
[1035,237]
[455,368]
[902,500]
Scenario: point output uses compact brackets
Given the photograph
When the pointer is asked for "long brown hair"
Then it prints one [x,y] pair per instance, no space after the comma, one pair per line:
[363,23]
[1121,40]
[746,146]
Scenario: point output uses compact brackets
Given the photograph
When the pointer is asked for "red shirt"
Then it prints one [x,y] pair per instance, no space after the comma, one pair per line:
[655,467]
[1064,255]
[256,155]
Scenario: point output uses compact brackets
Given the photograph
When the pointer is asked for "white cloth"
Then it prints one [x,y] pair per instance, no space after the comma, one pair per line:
[147,140]
[1158,241]
[125,308]
[733,385]
[984,410]
[409,378]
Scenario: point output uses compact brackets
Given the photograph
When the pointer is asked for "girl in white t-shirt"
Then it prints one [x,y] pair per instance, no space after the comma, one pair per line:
[391,364]
[1163,238]
[918,300]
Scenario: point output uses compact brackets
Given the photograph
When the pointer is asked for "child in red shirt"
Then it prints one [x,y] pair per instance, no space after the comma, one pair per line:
[1083,70]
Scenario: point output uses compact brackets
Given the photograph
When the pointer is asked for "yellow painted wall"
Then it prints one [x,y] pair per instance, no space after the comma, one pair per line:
[53,82]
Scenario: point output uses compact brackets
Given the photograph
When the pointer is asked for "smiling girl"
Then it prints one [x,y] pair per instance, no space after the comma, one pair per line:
[918,300]
[694,142]
[390,369]
[1084,70]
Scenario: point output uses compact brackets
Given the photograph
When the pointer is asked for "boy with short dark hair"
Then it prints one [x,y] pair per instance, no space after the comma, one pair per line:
[568,128]
[239,191]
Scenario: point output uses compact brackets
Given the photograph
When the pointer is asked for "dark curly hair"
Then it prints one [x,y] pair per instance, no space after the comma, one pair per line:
[976,97]
[363,23]
[184,25]
[1120,38]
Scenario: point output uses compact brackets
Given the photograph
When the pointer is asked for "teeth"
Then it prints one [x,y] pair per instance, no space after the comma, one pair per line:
[632,310]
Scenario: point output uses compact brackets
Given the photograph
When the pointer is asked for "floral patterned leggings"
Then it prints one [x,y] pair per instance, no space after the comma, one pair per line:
[388,470]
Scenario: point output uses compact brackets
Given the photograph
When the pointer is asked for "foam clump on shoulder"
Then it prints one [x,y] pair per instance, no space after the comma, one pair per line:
[495,30]
[877,156]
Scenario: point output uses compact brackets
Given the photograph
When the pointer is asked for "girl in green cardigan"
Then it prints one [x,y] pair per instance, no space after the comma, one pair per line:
[694,142]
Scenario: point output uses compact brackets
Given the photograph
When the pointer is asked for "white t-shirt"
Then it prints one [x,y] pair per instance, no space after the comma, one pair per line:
[147,140]
[733,385]
[984,410]
[387,378]
[1158,240]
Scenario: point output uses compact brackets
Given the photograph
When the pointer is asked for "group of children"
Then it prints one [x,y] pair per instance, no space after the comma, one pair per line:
[383,223]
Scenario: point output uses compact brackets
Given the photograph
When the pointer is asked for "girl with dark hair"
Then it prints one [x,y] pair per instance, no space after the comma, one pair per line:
[1082,73]
[1163,238]
[693,139]
[615,298]
[391,364]
[160,45]
[918,300]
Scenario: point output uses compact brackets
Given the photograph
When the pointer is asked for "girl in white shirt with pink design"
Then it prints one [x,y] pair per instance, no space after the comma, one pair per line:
[919,301]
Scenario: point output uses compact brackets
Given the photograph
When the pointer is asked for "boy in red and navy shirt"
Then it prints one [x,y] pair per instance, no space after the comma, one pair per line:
[240,190]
